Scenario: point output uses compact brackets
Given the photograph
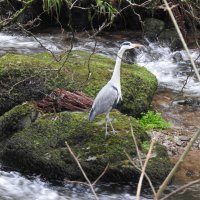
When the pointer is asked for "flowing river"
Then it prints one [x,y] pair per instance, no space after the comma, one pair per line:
[173,71]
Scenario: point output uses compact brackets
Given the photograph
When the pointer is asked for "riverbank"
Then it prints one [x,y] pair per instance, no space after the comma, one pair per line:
[184,119]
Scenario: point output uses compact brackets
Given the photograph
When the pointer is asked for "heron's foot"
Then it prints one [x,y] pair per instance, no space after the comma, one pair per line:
[113,132]
[106,135]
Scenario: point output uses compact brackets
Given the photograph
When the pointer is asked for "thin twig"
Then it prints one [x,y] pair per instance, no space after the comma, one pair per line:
[104,171]
[84,174]
[145,174]
[143,170]
[16,15]
[180,189]
[13,86]
[182,39]
[37,40]
[140,160]
[136,146]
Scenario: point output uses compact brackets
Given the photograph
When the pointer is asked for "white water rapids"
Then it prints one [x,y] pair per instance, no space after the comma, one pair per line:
[171,69]
[13,186]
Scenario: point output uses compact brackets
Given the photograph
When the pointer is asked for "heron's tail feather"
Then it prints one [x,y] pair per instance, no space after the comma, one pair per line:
[92,115]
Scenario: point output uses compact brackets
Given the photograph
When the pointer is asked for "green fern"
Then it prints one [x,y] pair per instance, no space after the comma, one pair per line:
[153,120]
[106,9]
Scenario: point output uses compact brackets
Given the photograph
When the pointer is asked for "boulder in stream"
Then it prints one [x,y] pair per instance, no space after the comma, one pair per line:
[32,77]
[40,148]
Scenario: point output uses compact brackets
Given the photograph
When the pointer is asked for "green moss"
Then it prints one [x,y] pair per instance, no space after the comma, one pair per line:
[16,119]
[41,147]
[29,77]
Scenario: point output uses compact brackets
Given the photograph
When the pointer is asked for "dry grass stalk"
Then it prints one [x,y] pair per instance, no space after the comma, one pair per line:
[139,187]
[84,174]
[140,160]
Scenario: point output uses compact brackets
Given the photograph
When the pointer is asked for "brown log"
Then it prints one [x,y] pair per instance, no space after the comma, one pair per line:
[62,100]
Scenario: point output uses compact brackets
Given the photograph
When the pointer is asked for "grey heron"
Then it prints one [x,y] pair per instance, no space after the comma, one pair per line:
[110,94]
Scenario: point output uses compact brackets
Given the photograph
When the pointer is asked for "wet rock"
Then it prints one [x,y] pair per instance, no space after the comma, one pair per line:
[177,57]
[41,149]
[184,138]
[171,37]
[177,141]
[153,27]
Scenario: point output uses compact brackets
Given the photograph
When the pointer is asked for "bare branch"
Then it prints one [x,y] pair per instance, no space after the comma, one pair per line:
[145,174]
[13,86]
[104,171]
[182,40]
[143,170]
[16,15]
[37,40]
[80,167]
[140,160]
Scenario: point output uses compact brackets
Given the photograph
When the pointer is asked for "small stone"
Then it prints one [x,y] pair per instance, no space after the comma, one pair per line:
[184,144]
[196,145]
[179,142]
[184,138]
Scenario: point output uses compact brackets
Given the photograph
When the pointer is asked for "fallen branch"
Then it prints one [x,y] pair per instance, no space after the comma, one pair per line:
[62,100]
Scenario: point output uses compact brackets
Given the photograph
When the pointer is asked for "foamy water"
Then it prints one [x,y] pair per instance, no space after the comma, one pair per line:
[171,74]
[23,44]
[14,186]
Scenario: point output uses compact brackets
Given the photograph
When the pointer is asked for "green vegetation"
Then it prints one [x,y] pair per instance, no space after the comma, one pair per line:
[53,5]
[153,120]
[146,145]
[100,7]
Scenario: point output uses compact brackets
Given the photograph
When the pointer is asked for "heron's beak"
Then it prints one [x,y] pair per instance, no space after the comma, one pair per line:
[136,45]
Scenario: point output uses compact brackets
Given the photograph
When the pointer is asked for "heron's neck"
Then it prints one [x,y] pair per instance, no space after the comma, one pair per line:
[116,73]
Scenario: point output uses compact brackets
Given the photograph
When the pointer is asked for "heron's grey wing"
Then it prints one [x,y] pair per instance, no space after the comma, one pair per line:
[104,101]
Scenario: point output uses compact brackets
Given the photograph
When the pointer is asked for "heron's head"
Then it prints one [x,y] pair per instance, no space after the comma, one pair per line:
[128,45]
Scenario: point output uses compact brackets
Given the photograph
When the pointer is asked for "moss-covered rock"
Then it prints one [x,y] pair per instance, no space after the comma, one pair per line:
[30,77]
[41,149]
[16,119]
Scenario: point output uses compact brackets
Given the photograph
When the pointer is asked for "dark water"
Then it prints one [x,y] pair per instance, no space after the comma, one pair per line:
[171,69]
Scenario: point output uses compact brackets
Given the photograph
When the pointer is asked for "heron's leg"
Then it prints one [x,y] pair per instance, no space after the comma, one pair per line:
[108,119]
[106,134]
